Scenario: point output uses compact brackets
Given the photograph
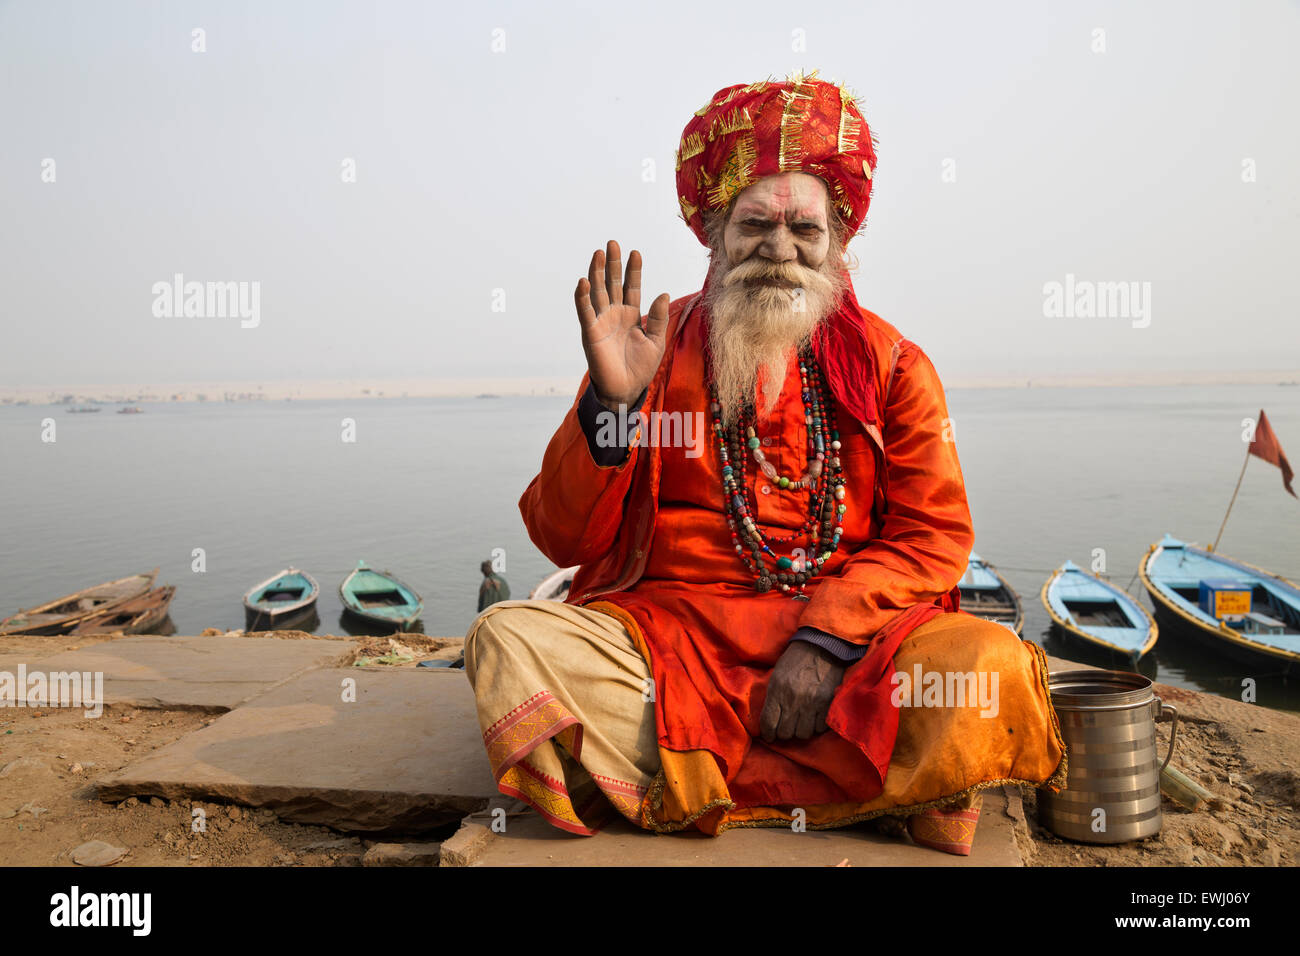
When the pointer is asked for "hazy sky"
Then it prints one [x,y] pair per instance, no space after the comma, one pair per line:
[482,169]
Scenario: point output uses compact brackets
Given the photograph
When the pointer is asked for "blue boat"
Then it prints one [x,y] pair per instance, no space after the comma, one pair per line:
[378,597]
[283,601]
[1083,606]
[1187,584]
[985,593]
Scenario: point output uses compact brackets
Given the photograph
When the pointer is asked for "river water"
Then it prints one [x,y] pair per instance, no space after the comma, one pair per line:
[430,487]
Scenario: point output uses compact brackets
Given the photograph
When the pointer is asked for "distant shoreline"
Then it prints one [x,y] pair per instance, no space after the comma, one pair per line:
[359,389]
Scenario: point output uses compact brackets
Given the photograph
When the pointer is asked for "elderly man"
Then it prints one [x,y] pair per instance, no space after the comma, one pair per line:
[764,627]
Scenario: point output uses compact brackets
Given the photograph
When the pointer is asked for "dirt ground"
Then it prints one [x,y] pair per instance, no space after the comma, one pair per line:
[48,804]
[1244,754]
[50,758]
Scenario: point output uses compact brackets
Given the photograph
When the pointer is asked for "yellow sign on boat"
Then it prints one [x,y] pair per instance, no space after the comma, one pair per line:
[1231,602]
[1225,598]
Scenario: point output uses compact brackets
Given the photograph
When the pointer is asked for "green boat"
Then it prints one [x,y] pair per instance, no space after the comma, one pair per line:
[378,597]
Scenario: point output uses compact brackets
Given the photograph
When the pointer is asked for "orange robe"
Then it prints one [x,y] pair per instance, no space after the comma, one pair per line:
[656,552]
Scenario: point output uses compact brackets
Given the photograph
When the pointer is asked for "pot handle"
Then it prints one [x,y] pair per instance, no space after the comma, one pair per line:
[1161,709]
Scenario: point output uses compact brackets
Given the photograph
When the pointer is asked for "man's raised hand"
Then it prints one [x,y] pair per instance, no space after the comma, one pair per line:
[622,355]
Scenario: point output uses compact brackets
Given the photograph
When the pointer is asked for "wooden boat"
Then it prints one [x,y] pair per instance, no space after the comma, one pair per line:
[137,616]
[986,593]
[63,614]
[131,410]
[1266,630]
[378,597]
[554,587]
[1097,612]
[283,600]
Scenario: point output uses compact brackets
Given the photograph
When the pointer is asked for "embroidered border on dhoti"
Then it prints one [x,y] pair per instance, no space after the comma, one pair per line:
[952,831]
[511,739]
[518,733]
[543,793]
[626,797]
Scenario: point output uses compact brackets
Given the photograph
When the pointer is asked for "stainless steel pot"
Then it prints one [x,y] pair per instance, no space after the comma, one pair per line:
[1112,793]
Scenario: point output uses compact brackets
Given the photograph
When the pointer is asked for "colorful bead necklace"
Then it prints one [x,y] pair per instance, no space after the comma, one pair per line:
[823,479]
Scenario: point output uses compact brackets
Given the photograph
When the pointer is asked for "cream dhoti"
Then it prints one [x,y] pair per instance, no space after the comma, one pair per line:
[566,704]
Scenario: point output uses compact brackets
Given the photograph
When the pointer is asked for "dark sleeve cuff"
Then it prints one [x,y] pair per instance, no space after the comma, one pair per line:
[590,412]
[845,651]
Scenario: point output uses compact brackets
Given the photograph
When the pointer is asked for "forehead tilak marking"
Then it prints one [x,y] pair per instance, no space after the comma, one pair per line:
[795,207]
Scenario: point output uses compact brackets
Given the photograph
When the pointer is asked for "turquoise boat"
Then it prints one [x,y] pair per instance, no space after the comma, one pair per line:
[1260,626]
[282,601]
[985,593]
[378,597]
[1083,606]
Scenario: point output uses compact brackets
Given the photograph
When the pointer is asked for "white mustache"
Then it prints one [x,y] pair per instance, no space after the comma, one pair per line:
[790,273]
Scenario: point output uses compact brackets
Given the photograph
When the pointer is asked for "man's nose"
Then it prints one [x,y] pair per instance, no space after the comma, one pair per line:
[778,245]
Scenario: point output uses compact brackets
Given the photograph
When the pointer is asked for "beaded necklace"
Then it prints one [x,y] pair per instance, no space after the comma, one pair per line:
[823,479]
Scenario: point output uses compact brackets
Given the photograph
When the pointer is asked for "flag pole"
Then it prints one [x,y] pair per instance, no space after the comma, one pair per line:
[1215,546]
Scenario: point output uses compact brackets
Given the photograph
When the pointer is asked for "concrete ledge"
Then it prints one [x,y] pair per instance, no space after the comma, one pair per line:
[195,673]
[529,840]
[406,755]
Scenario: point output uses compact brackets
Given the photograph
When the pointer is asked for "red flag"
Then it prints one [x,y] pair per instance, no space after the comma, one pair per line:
[1265,445]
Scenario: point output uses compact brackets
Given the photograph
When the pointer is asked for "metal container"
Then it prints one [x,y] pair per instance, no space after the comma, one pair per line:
[1112,792]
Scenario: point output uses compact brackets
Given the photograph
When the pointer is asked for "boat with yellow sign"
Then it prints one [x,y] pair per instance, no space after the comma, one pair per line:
[1229,605]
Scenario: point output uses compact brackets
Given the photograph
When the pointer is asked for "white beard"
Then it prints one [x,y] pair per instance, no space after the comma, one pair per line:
[754,327]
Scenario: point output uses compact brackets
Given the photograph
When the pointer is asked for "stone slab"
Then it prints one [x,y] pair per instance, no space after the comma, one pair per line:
[405,756]
[199,673]
[466,845]
[10,661]
[531,841]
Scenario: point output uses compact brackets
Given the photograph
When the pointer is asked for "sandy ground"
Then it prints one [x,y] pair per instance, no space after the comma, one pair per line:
[48,804]
[312,389]
[49,758]
[302,390]
[1244,754]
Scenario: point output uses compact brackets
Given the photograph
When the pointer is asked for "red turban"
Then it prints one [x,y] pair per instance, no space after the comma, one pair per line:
[746,133]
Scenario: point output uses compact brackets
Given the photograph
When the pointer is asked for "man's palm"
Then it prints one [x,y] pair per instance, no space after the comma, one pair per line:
[622,356]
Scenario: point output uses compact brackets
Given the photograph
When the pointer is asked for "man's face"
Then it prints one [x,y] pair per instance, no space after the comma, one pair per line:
[780,218]
[772,280]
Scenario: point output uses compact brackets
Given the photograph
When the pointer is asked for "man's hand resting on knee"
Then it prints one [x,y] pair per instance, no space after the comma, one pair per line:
[800,692]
